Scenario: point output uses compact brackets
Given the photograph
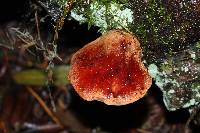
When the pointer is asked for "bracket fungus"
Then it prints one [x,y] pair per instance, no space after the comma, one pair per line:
[110,70]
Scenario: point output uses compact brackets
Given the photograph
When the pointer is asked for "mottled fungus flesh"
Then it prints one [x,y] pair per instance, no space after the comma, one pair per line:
[110,70]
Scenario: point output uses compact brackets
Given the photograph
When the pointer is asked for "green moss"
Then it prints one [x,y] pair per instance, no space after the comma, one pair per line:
[198,45]
[150,20]
[59,2]
[167,68]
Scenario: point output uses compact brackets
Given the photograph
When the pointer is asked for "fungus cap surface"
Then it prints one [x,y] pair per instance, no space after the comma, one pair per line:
[110,70]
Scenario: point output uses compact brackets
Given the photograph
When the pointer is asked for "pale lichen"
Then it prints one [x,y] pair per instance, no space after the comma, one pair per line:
[106,16]
[178,77]
[78,17]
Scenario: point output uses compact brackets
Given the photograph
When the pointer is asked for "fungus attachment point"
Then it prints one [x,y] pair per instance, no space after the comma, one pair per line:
[110,70]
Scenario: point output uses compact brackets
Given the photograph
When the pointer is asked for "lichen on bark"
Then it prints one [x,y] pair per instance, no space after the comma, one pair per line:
[179,79]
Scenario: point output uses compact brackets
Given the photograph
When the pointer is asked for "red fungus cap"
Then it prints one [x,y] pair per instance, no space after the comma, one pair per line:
[110,70]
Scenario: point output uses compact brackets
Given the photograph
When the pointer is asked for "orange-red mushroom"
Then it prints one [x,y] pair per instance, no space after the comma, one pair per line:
[110,70]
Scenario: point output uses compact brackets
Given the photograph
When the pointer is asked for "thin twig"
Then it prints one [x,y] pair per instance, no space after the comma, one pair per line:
[38,29]
[44,106]
[6,46]
[32,128]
